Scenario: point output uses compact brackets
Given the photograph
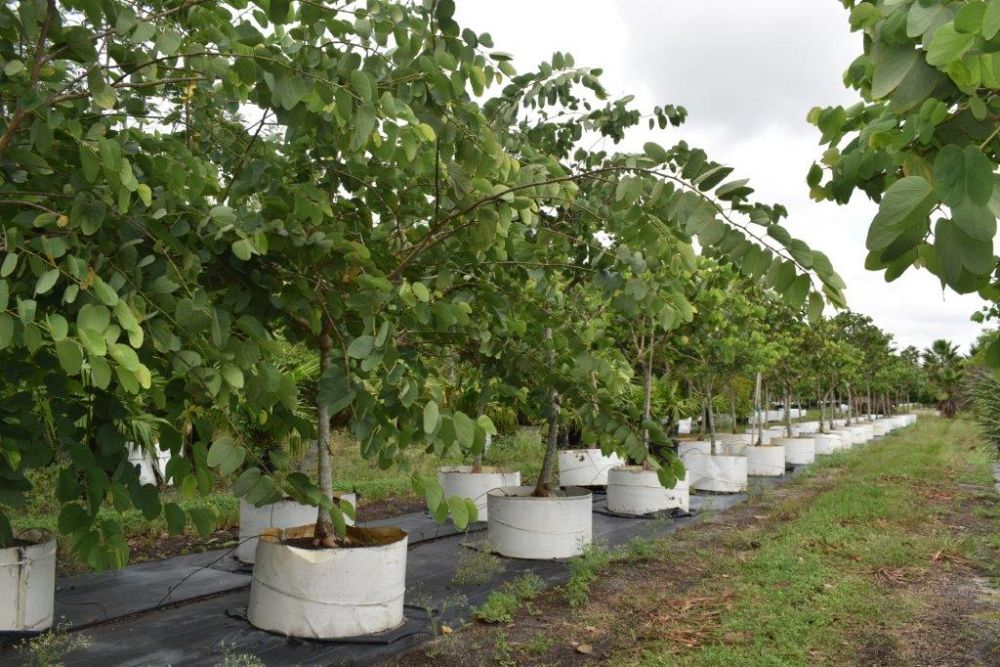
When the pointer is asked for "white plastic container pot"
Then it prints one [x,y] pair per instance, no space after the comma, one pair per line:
[28,582]
[846,437]
[826,443]
[463,482]
[798,451]
[766,437]
[149,467]
[689,446]
[586,467]
[719,473]
[282,514]
[684,426]
[860,434]
[732,448]
[635,491]
[808,427]
[766,461]
[523,526]
[328,593]
[880,428]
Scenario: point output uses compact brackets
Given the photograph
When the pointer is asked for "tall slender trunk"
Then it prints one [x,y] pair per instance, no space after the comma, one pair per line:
[831,398]
[788,412]
[758,419]
[711,414]
[850,404]
[324,466]
[647,392]
[544,486]
[819,405]
[732,405]
[869,408]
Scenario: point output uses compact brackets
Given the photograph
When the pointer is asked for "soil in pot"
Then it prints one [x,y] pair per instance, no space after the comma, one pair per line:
[285,513]
[303,590]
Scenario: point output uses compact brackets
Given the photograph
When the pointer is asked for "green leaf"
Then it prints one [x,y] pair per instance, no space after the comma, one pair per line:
[963,173]
[46,281]
[175,518]
[459,512]
[278,10]
[421,292]
[13,67]
[58,327]
[991,19]
[905,197]
[948,45]
[431,416]
[465,429]
[891,65]
[125,356]
[243,249]
[976,221]
[334,390]
[361,347]
[225,455]
[72,517]
[9,264]
[105,292]
[6,330]
[70,356]
[204,519]
[233,376]
[969,18]
[655,152]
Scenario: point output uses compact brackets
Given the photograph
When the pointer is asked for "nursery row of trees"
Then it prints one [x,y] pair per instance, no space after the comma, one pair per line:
[228,227]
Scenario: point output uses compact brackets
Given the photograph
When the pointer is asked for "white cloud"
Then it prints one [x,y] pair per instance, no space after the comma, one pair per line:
[748,72]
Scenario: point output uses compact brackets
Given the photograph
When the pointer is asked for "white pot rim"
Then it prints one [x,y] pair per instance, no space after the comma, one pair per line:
[386,537]
[468,470]
[523,493]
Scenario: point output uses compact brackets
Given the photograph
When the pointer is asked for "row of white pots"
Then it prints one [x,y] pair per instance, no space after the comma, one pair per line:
[302,591]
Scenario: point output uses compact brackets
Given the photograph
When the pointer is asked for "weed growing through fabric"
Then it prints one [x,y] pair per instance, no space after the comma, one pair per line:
[503,652]
[233,658]
[476,566]
[639,548]
[50,648]
[582,573]
[503,603]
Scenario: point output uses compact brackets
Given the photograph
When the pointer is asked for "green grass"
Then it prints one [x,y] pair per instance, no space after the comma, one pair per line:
[809,588]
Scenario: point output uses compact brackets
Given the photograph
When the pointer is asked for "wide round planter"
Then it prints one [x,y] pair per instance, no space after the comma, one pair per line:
[149,467]
[859,434]
[684,426]
[463,482]
[586,467]
[732,448]
[636,491]
[690,446]
[880,428]
[320,593]
[28,582]
[798,451]
[766,437]
[808,427]
[826,443]
[282,514]
[524,526]
[766,461]
[846,437]
[719,473]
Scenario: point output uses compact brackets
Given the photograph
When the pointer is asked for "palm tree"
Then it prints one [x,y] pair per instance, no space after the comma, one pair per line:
[945,368]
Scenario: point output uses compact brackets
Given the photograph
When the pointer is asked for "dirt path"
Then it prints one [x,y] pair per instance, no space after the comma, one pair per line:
[887,555]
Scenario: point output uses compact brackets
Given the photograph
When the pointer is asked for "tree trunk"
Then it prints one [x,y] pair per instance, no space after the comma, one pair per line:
[850,404]
[324,466]
[732,405]
[758,419]
[819,406]
[871,409]
[711,415]
[544,486]
[788,411]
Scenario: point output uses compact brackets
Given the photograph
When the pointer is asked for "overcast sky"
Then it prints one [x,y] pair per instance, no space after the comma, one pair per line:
[748,73]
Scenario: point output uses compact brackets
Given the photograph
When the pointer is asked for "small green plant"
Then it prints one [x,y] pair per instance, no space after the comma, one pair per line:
[498,608]
[476,566]
[639,548]
[233,658]
[583,571]
[503,652]
[501,605]
[49,649]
